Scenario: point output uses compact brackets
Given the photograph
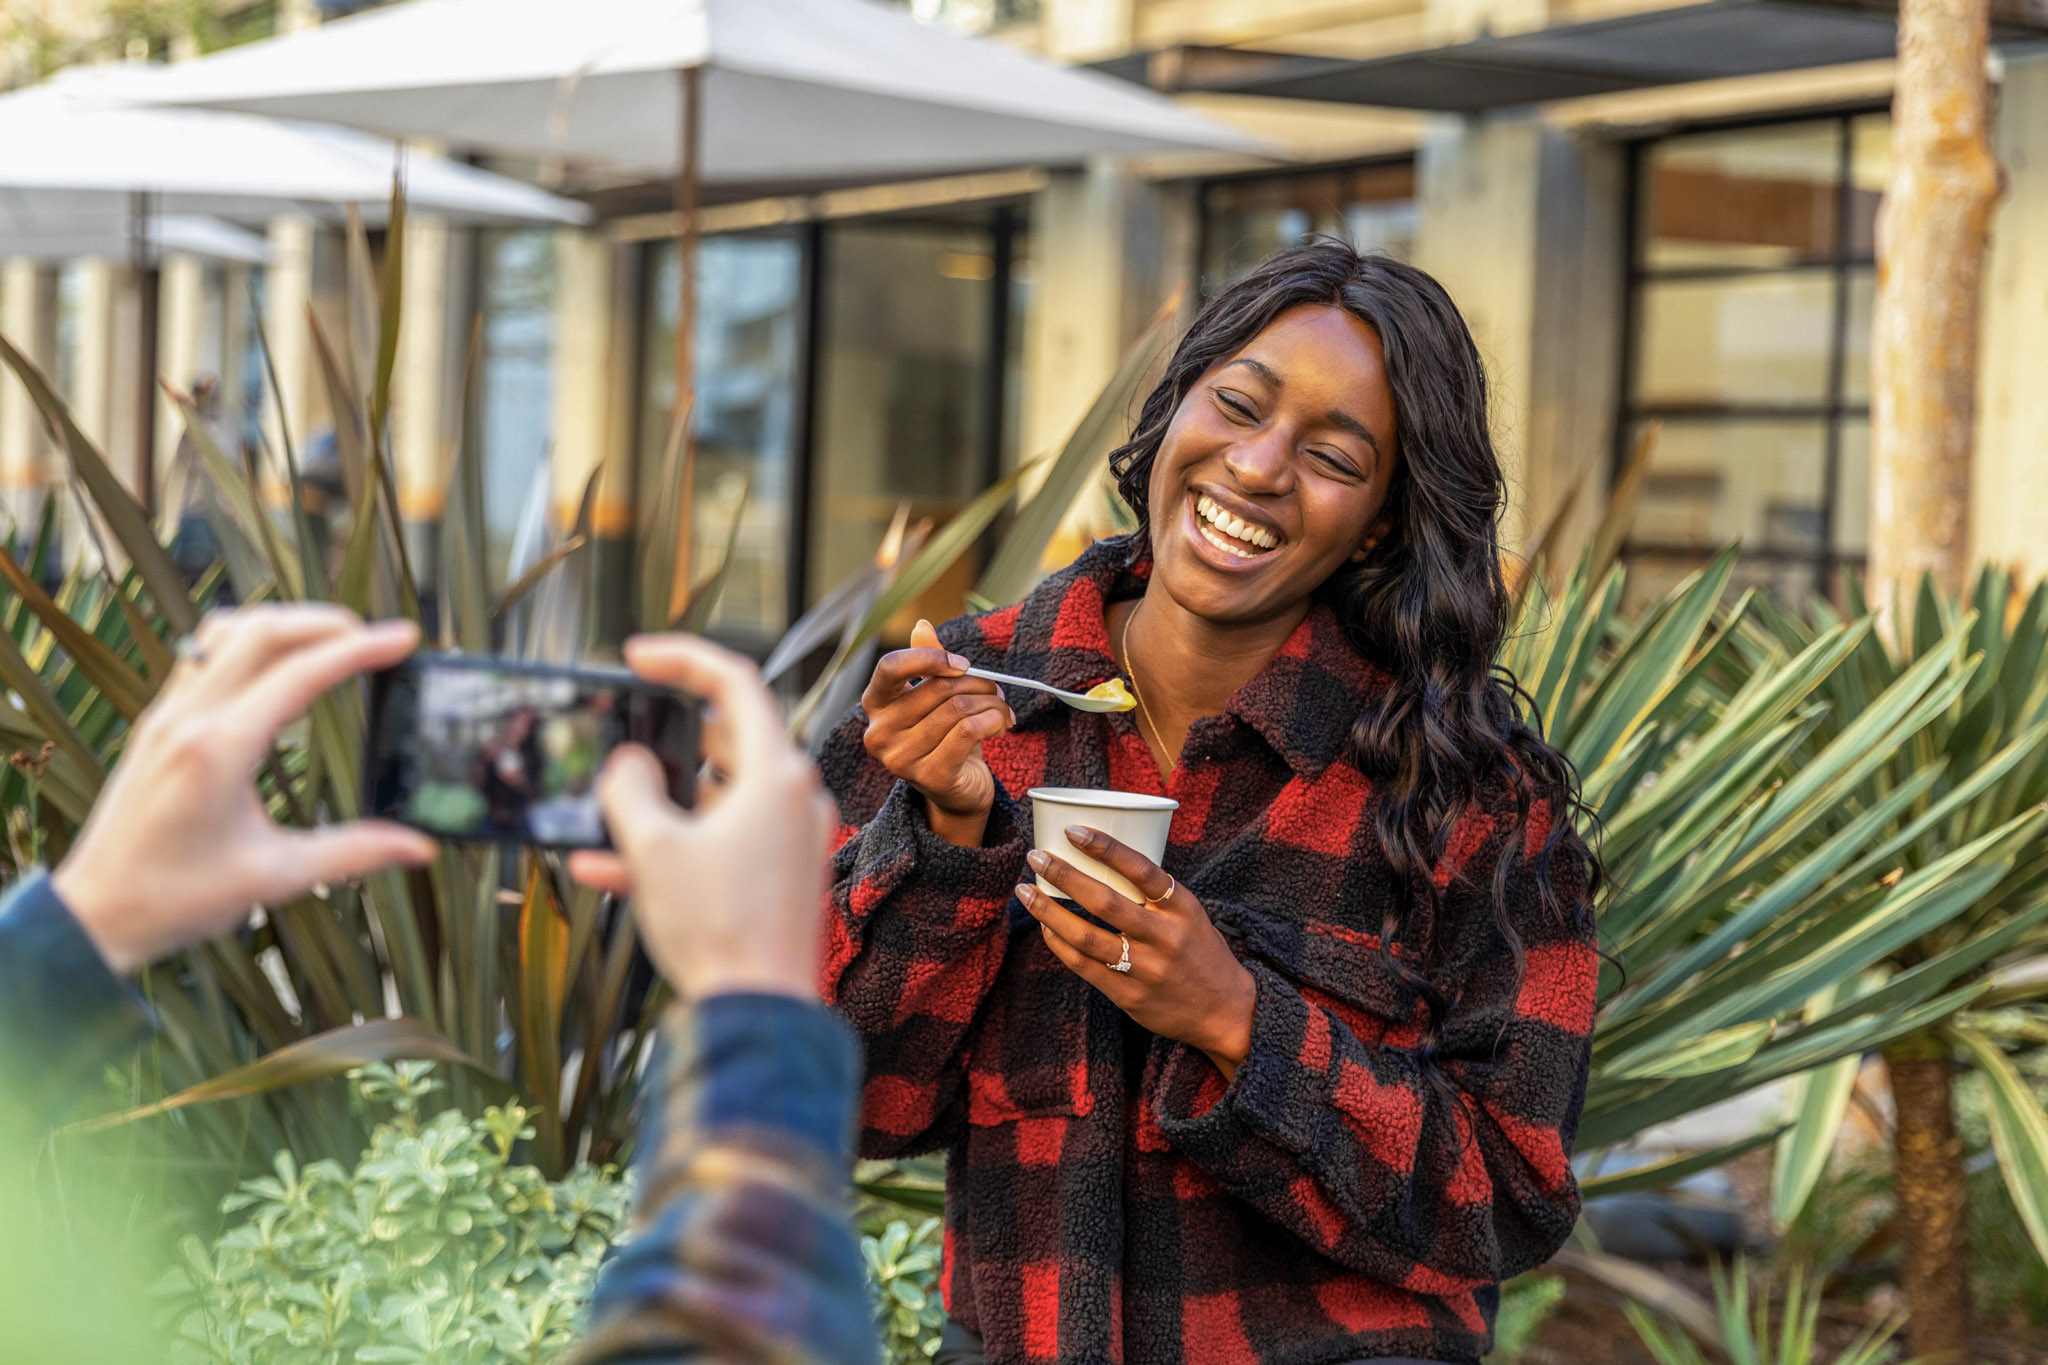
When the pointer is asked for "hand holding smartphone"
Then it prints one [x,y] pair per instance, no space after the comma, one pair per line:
[470,747]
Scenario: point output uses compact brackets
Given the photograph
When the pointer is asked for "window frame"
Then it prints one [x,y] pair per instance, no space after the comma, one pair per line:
[1206,187]
[1840,267]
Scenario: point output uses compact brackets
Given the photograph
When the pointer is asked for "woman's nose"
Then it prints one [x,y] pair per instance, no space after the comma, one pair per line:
[1263,463]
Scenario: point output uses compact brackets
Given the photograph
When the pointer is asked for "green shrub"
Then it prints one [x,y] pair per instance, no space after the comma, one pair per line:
[903,1272]
[436,1247]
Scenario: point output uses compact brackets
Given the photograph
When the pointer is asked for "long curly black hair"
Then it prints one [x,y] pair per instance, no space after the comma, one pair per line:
[1429,604]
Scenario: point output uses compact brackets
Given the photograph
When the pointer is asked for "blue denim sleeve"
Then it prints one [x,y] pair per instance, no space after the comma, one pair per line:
[64,1016]
[743,1245]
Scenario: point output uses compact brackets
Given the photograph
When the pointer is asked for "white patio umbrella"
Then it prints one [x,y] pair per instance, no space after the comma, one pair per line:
[792,89]
[72,162]
[114,235]
[67,153]
[719,91]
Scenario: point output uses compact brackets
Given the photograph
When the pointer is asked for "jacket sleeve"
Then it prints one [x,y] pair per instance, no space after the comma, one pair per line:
[917,932]
[743,1247]
[1336,1127]
[64,1016]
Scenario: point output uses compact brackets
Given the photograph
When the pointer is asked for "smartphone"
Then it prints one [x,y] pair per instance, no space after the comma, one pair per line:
[470,747]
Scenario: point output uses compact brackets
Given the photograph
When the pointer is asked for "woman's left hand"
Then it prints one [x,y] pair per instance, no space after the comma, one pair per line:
[1184,982]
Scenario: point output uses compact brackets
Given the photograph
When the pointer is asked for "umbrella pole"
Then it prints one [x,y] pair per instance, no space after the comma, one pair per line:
[688,183]
[144,283]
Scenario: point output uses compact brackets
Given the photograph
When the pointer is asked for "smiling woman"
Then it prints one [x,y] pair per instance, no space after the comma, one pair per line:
[1313,1096]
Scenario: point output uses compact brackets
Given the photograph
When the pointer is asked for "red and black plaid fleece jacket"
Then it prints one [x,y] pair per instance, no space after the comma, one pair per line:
[1109,1197]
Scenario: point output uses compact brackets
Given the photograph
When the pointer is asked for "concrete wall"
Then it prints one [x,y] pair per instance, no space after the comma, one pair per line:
[2010,488]
[1522,222]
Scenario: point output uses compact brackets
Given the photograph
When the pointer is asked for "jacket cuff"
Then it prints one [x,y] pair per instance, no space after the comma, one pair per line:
[1268,1097]
[763,1065]
[898,847]
[64,1013]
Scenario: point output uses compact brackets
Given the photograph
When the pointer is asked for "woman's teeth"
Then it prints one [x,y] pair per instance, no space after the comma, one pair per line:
[1242,532]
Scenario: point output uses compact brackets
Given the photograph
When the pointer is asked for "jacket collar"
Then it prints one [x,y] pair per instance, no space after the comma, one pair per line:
[1302,703]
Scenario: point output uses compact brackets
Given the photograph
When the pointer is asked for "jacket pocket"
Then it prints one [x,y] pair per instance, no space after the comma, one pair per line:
[1028,1057]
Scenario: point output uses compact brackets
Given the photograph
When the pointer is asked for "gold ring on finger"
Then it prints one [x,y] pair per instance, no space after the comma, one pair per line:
[1172,886]
[190,650]
[1122,964]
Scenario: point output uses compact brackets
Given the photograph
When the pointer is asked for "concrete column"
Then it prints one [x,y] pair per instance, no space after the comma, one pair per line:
[597,286]
[28,318]
[2011,465]
[91,397]
[181,355]
[288,288]
[1083,30]
[426,400]
[235,328]
[1523,225]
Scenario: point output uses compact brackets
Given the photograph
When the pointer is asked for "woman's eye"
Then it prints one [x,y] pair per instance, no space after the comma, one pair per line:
[1235,404]
[1336,463]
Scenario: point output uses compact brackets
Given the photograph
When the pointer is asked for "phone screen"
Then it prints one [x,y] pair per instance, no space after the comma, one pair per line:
[471,747]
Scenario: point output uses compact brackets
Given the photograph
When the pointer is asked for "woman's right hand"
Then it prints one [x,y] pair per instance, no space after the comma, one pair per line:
[926,725]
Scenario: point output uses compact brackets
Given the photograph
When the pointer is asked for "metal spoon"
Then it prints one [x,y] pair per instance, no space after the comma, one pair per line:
[1079,701]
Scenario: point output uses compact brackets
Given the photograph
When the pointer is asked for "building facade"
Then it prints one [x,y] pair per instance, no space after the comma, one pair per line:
[1694,259]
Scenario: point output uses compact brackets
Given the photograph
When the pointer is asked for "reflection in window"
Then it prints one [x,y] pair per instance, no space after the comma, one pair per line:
[902,391]
[1751,285]
[516,382]
[1245,221]
[748,354]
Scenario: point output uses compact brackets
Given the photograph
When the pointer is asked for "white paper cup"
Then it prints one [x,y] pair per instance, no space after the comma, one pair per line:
[1130,818]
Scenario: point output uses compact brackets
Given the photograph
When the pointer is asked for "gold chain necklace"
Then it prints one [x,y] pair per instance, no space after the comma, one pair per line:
[1131,667]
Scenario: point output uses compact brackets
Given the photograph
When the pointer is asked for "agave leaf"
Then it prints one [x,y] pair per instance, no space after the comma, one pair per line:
[351,442]
[318,583]
[555,622]
[531,579]
[1664,1174]
[1014,567]
[465,618]
[543,945]
[2019,1132]
[324,1055]
[389,313]
[234,486]
[1645,1286]
[121,685]
[920,573]
[51,721]
[662,531]
[704,595]
[124,519]
[1698,1056]
[1818,1101]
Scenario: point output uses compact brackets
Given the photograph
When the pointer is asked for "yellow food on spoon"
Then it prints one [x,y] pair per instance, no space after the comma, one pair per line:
[1113,690]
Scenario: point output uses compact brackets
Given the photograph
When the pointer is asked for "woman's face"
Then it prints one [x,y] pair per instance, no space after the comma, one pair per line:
[1275,468]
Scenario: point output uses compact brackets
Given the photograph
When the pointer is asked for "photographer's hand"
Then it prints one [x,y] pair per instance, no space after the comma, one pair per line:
[729,896]
[178,846]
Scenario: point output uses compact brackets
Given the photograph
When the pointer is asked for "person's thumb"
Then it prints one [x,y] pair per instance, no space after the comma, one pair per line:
[924,636]
[633,790]
[345,852]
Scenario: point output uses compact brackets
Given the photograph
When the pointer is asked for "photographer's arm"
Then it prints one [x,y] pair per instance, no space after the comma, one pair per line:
[743,1248]
[178,847]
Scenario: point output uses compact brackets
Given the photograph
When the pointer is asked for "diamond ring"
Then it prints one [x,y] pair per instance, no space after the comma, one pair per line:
[1122,964]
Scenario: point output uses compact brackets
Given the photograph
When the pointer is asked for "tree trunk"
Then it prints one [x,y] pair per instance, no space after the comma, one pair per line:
[1929,1180]
[1932,229]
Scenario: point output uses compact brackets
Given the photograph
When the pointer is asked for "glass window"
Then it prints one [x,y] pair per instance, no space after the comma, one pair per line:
[903,391]
[749,371]
[1736,339]
[516,382]
[1751,286]
[1244,221]
[1750,197]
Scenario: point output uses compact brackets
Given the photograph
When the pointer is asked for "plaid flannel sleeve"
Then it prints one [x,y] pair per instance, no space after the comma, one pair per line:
[64,1017]
[1437,1171]
[743,1246]
[915,938]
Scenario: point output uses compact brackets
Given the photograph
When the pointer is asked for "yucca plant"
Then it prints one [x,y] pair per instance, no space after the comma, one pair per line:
[1750,843]
[1986,759]
[493,964]
[1747,1333]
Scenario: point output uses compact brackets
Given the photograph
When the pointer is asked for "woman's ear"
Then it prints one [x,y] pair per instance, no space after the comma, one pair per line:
[1374,534]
